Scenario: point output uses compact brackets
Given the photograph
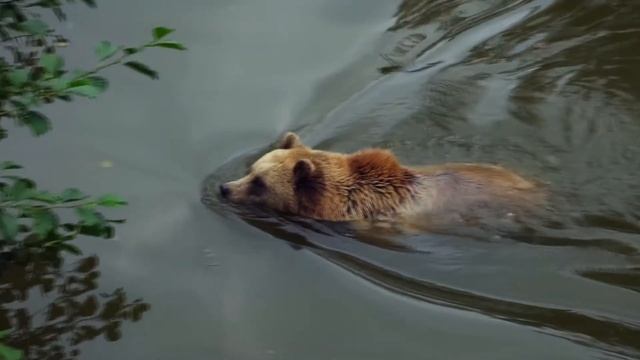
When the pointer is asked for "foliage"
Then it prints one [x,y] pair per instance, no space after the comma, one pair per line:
[72,311]
[34,221]
[37,75]
[28,215]
[33,74]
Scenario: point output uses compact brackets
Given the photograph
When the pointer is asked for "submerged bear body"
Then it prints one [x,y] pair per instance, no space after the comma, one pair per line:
[373,185]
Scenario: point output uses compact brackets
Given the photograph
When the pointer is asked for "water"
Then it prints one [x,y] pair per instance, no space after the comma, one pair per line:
[548,88]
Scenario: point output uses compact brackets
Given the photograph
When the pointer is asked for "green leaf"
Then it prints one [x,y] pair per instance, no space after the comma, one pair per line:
[91,86]
[26,101]
[20,190]
[88,216]
[4,333]
[72,194]
[45,196]
[130,51]
[69,248]
[8,225]
[90,3]
[106,50]
[110,200]
[9,165]
[52,63]
[19,104]
[142,68]
[34,27]
[9,353]
[160,32]
[97,231]
[99,82]
[64,97]
[38,123]
[44,221]
[169,45]
[18,77]
[85,90]
[58,84]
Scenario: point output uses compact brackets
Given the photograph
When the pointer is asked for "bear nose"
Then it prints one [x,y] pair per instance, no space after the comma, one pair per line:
[224,190]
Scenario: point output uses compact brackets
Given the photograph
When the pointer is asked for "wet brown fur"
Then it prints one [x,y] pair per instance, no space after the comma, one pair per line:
[372,185]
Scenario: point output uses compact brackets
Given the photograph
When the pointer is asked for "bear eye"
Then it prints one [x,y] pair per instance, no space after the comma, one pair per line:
[257,187]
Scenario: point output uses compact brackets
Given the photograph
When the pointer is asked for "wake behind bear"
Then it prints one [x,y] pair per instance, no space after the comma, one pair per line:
[371,185]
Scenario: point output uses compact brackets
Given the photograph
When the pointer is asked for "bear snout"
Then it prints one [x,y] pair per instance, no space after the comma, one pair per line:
[224,190]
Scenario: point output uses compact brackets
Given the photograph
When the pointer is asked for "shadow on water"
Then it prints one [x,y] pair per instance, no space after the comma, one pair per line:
[595,330]
[52,308]
[587,329]
[626,278]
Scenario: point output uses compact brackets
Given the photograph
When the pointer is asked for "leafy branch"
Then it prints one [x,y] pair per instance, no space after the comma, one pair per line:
[33,74]
[23,88]
[28,217]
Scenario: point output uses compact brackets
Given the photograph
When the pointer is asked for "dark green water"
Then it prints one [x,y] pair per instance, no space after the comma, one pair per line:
[549,88]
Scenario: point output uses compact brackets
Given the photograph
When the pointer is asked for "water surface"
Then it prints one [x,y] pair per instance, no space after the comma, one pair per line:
[548,88]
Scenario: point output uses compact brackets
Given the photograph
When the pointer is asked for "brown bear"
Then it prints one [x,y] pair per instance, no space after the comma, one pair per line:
[372,185]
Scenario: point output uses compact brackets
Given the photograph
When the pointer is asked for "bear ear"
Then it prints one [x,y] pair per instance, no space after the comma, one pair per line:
[303,169]
[289,141]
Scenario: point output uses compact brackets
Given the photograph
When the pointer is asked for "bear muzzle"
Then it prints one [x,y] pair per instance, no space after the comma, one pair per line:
[224,190]
[234,191]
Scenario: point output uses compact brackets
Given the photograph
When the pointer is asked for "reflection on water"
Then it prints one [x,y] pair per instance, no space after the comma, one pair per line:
[52,308]
[545,87]
[587,328]
[611,334]
[626,278]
